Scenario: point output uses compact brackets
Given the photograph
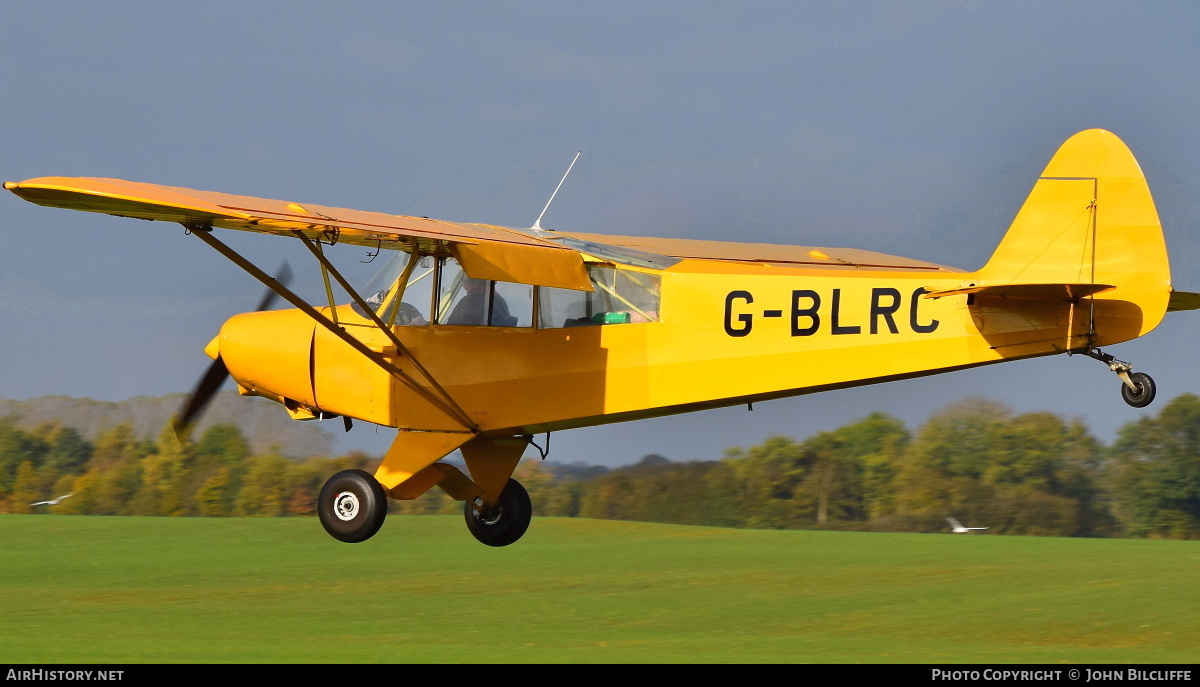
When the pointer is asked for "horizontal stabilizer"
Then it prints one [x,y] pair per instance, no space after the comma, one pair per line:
[1041,292]
[1183,300]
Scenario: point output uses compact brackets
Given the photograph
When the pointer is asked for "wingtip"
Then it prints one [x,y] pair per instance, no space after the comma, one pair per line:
[10,185]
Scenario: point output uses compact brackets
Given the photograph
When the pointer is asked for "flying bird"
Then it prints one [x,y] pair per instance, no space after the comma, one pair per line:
[958,528]
[55,502]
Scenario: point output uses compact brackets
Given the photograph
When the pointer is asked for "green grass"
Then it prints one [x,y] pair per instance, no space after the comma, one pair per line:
[78,589]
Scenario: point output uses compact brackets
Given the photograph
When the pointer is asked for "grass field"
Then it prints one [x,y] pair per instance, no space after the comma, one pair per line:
[77,589]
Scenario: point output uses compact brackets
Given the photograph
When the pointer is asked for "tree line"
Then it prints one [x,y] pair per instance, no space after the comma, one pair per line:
[975,460]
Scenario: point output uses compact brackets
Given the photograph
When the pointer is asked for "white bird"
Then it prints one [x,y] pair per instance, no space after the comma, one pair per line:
[55,502]
[958,528]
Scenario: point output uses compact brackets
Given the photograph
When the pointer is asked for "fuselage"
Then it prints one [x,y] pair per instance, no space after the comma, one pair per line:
[727,333]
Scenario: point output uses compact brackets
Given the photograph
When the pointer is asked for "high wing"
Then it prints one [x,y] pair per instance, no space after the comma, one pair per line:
[485,251]
[765,254]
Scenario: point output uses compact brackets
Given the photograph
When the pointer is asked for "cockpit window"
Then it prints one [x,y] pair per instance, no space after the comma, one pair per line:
[620,297]
[398,306]
[480,302]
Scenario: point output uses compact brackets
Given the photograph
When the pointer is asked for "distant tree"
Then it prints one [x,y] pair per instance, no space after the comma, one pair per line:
[653,460]
[576,470]
[212,497]
[222,444]
[873,449]
[165,476]
[17,447]
[691,493]
[114,475]
[1025,509]
[551,495]
[303,482]
[1028,474]
[433,502]
[851,469]
[608,497]
[118,445]
[765,479]
[539,483]
[26,490]
[68,452]
[1035,473]
[264,489]
[83,488]
[302,500]
[58,485]
[656,490]
[1155,472]
[959,440]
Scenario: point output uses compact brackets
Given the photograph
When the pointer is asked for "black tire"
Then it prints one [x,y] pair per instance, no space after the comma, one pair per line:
[1145,390]
[352,506]
[503,523]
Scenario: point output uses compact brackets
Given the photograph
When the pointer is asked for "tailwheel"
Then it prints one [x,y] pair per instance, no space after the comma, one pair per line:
[1137,388]
[504,522]
[352,506]
[1141,393]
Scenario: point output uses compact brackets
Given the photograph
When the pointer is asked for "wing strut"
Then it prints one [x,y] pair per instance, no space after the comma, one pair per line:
[446,404]
[400,347]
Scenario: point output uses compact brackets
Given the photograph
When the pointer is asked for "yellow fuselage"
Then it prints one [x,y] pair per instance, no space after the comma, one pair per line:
[729,333]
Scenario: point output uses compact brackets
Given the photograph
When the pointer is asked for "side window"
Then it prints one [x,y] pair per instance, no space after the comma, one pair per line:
[562,307]
[453,304]
[516,301]
[462,300]
[620,297]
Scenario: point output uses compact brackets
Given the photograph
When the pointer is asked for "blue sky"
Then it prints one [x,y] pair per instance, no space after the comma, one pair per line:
[913,128]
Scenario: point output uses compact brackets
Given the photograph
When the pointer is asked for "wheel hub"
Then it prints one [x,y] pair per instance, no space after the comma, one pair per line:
[489,516]
[345,506]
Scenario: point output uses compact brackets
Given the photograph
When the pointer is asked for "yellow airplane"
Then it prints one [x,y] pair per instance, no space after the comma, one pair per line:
[479,338]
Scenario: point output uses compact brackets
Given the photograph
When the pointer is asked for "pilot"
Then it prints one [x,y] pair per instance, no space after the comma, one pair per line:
[471,309]
[409,315]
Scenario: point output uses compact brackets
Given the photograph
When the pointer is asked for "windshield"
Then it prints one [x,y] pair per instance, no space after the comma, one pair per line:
[395,305]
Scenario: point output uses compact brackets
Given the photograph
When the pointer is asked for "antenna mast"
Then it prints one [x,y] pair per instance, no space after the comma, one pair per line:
[537,223]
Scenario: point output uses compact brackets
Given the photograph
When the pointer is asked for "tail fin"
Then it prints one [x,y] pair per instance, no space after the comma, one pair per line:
[1090,220]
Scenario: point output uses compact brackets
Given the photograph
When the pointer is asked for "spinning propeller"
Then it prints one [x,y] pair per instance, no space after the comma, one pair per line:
[217,373]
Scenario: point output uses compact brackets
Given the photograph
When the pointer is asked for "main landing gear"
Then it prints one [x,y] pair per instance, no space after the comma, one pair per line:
[1137,388]
[353,505]
[503,523]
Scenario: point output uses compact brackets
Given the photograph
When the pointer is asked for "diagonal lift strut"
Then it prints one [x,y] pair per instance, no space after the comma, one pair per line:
[441,400]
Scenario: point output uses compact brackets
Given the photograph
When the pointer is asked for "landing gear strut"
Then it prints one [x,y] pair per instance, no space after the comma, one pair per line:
[1137,388]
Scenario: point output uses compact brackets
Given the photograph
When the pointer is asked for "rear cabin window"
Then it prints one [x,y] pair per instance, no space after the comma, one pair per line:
[620,297]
